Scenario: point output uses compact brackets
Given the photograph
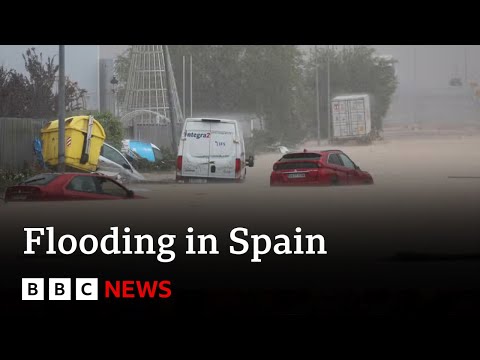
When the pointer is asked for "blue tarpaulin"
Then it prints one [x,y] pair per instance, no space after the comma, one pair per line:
[142,149]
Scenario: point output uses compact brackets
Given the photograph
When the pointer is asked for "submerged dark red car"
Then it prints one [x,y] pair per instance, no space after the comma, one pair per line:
[68,186]
[328,167]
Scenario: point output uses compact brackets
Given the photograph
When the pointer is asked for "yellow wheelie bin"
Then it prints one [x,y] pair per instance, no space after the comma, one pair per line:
[84,137]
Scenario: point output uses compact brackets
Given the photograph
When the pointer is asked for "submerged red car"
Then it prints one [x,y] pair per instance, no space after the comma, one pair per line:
[68,186]
[328,167]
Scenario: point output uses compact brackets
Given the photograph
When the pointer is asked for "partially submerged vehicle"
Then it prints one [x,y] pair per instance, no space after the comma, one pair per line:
[327,167]
[114,164]
[211,150]
[136,149]
[68,186]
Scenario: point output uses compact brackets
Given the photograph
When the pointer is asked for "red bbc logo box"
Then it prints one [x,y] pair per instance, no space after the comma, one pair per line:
[59,289]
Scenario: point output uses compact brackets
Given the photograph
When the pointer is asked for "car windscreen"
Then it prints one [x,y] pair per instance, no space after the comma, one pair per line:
[296,165]
[113,155]
[42,179]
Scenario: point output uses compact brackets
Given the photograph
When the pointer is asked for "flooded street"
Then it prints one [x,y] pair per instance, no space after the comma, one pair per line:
[420,182]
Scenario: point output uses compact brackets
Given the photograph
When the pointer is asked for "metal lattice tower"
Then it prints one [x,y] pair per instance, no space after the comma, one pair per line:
[147,97]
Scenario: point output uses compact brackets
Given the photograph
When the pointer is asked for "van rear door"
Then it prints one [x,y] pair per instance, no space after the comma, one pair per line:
[196,149]
[223,150]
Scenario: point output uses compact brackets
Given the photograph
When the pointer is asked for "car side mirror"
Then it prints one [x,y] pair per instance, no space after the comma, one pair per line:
[251,161]
[357,167]
[130,193]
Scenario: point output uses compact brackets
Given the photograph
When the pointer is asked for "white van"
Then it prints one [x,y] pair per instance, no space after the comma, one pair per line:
[211,150]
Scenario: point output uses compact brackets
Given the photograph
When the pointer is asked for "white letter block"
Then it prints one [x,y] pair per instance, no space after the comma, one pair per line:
[32,289]
[86,289]
[59,289]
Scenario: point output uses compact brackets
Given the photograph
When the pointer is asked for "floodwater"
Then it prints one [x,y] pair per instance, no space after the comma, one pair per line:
[425,201]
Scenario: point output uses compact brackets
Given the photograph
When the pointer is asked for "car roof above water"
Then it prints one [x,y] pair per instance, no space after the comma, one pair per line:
[68,174]
[308,155]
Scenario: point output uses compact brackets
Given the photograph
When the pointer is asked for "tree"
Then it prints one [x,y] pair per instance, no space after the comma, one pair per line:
[112,126]
[272,75]
[41,78]
[277,82]
[74,96]
[14,95]
[33,95]
[352,70]
[237,78]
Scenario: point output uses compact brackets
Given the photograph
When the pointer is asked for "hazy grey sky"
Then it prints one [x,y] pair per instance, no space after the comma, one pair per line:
[434,64]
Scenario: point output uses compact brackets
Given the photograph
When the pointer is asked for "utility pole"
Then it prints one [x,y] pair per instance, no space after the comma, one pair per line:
[170,97]
[317,96]
[61,109]
[328,92]
[183,91]
[414,85]
[191,87]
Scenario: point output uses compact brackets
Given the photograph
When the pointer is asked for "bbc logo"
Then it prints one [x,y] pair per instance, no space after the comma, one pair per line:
[59,289]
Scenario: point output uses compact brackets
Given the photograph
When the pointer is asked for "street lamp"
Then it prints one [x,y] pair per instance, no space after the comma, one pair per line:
[114,83]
